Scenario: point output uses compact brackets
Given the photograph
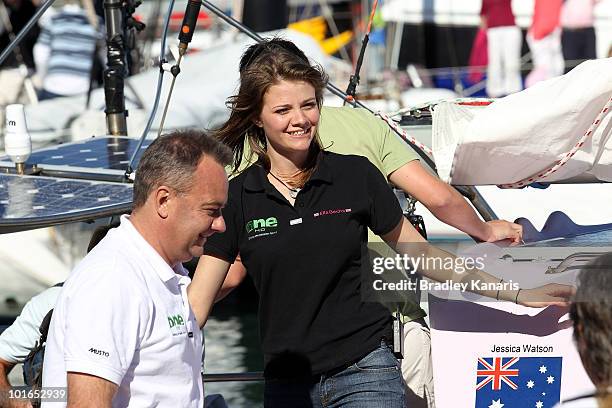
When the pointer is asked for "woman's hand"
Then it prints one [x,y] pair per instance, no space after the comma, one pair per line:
[501,229]
[552,294]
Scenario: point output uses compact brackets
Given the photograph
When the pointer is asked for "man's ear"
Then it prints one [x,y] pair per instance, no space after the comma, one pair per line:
[163,199]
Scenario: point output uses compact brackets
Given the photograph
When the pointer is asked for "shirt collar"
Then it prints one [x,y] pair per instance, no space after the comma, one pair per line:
[256,178]
[149,254]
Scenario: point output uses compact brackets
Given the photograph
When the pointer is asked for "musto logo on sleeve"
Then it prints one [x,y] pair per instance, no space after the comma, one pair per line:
[261,227]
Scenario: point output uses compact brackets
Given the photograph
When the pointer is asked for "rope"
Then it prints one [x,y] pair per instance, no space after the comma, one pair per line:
[402,133]
[567,156]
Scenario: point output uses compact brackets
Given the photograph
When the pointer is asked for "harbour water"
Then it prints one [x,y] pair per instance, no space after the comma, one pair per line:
[232,346]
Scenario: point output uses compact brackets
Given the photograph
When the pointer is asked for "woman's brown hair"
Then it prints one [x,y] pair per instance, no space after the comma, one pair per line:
[261,66]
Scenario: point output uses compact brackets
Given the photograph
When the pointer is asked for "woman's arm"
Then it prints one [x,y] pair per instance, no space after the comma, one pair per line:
[446,204]
[209,275]
[406,240]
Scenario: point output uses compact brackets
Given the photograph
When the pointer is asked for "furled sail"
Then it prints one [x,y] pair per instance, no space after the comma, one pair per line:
[554,131]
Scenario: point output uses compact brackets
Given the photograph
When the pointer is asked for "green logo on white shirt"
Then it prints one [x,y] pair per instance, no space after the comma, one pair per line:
[177,325]
[176,320]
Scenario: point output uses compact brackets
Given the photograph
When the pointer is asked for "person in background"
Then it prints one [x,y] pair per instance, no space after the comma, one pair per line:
[65,51]
[504,42]
[578,34]
[591,313]
[122,332]
[20,338]
[544,39]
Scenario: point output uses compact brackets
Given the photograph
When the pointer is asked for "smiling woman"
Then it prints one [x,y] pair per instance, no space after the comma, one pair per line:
[298,216]
[275,221]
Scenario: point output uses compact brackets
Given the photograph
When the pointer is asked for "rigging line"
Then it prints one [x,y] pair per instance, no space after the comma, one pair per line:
[163,119]
[27,84]
[129,170]
[25,30]
[330,87]
[354,80]
[190,21]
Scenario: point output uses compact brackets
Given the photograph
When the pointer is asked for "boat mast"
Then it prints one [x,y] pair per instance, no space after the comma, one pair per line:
[115,71]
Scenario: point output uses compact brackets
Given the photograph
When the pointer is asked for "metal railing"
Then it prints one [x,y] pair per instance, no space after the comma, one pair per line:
[251,376]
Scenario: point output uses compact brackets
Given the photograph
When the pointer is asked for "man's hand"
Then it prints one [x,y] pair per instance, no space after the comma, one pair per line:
[7,402]
[501,229]
[5,386]
[552,294]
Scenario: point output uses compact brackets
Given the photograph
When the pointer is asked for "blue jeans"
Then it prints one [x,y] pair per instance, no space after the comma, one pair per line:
[375,381]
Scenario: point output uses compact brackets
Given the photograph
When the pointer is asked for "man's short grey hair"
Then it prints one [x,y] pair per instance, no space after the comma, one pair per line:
[172,159]
[591,312]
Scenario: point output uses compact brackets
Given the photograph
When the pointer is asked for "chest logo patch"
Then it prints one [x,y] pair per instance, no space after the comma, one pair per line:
[262,227]
[332,212]
[177,325]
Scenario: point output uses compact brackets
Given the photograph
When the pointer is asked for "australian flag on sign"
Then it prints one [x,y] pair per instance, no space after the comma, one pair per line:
[518,382]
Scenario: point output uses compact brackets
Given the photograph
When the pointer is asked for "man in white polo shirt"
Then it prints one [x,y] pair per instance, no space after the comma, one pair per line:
[123,333]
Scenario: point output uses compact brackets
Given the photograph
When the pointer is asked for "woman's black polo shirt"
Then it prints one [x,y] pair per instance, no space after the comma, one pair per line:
[306,261]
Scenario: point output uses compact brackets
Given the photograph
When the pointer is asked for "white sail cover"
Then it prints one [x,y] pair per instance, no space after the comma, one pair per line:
[521,135]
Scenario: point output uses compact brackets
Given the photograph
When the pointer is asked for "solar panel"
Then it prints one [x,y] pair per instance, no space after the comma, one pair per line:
[100,155]
[28,202]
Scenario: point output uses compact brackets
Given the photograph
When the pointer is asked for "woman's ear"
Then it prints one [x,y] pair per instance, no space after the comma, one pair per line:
[258,123]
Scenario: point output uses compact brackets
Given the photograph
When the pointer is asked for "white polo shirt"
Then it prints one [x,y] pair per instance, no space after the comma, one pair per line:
[123,315]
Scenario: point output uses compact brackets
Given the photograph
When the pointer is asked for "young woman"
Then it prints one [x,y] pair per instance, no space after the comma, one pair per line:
[299,218]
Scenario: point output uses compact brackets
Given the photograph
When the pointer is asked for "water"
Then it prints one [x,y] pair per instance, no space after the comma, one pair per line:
[232,346]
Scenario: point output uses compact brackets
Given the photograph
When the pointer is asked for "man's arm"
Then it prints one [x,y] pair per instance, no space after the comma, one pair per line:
[235,276]
[202,292]
[86,390]
[5,386]
[449,206]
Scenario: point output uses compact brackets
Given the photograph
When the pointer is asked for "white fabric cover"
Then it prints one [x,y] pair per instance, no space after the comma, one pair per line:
[522,134]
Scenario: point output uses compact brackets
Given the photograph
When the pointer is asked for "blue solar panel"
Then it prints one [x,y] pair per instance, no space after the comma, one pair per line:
[35,201]
[108,153]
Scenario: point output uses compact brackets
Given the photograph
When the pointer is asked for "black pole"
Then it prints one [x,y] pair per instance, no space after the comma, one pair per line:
[115,72]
